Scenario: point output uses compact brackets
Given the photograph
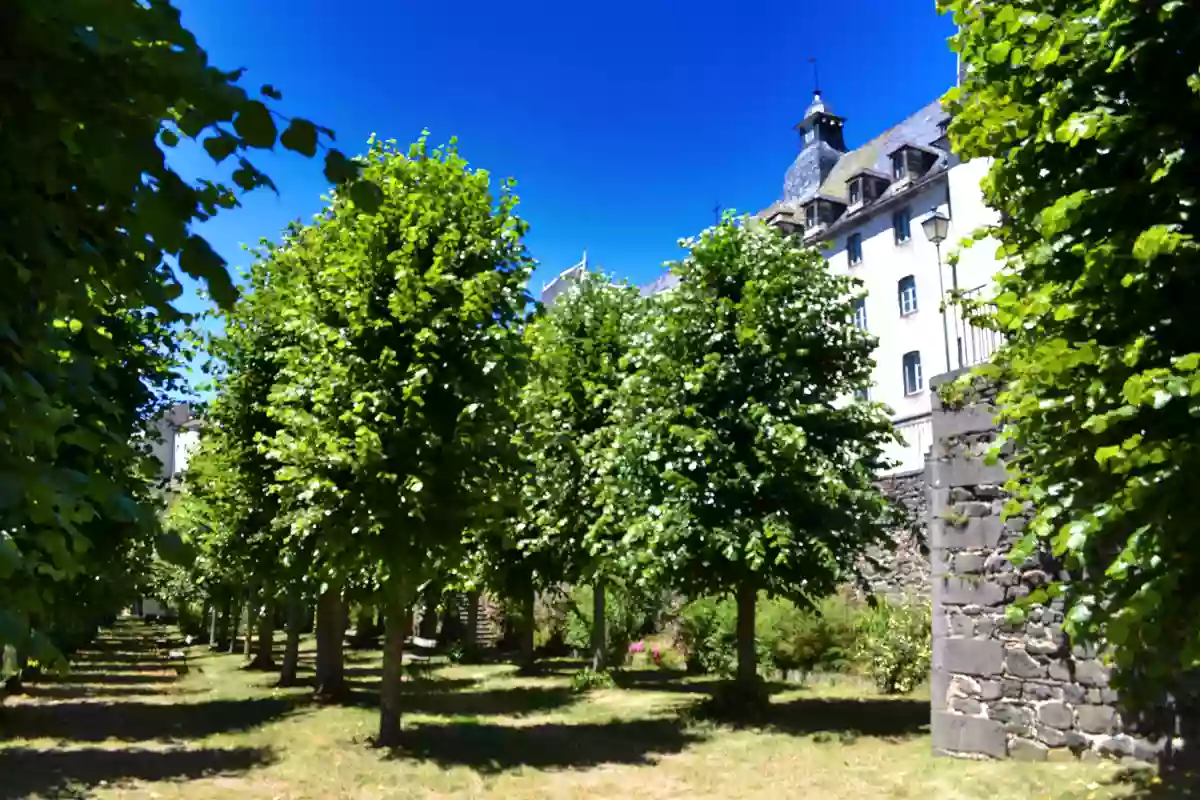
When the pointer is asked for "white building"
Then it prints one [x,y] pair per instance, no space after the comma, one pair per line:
[561,282]
[867,206]
[179,433]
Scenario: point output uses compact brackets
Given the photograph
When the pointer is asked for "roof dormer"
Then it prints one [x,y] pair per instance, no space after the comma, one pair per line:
[910,162]
[821,212]
[864,187]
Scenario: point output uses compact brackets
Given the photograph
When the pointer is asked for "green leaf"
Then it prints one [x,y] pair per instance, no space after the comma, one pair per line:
[338,168]
[255,125]
[998,52]
[200,261]
[169,138]
[366,195]
[220,147]
[270,91]
[301,137]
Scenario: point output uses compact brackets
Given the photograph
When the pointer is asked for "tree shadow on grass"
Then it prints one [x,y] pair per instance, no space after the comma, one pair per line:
[67,691]
[104,679]
[491,749]
[129,721]
[1165,783]
[74,773]
[661,680]
[876,717]
[423,697]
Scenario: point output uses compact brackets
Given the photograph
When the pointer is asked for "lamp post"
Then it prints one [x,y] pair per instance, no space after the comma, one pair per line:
[937,227]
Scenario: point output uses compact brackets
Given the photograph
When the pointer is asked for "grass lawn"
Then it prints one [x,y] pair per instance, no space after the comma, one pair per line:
[123,726]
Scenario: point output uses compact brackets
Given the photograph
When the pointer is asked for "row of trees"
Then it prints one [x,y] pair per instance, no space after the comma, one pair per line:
[392,415]
[96,224]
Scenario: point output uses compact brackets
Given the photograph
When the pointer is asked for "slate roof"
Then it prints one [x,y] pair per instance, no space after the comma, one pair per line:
[921,130]
[663,283]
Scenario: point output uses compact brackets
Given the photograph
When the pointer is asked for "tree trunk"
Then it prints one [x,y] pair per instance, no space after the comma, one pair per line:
[248,639]
[397,623]
[599,629]
[235,619]
[365,629]
[264,659]
[528,627]
[747,669]
[331,626]
[291,650]
[212,625]
[471,636]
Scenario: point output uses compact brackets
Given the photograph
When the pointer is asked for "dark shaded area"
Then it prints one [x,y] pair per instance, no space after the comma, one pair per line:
[130,722]
[106,679]
[659,680]
[73,773]
[1170,781]
[66,691]
[492,749]
[496,702]
[877,717]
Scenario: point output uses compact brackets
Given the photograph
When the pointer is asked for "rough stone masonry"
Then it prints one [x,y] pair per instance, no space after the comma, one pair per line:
[1001,690]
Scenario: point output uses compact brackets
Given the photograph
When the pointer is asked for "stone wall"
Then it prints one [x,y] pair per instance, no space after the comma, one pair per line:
[905,568]
[1001,690]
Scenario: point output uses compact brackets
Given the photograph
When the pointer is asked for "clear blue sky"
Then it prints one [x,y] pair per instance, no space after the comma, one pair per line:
[623,123]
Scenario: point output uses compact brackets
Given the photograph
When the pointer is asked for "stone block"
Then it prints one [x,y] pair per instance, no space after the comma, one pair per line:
[1012,688]
[979,532]
[1074,693]
[961,625]
[1018,662]
[1015,717]
[973,418]
[1056,715]
[1117,746]
[1015,592]
[1027,750]
[973,509]
[1043,647]
[968,563]
[973,657]
[955,733]
[1041,692]
[1034,578]
[1091,673]
[966,705]
[1058,671]
[1095,719]
[990,690]
[984,627]
[962,686]
[976,591]
[1077,741]
[990,491]
[964,470]
[1051,737]
[997,562]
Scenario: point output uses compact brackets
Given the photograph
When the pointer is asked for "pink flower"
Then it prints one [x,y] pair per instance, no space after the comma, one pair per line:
[655,655]
[637,647]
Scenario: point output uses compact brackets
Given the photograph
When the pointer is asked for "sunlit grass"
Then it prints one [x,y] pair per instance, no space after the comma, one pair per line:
[134,730]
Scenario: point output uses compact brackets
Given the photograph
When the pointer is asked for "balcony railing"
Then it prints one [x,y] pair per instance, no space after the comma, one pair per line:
[917,435]
[972,340]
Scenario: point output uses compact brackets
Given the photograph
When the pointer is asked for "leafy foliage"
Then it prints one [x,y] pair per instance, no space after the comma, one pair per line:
[93,216]
[894,644]
[1089,110]
[588,679]
[737,461]
[628,615]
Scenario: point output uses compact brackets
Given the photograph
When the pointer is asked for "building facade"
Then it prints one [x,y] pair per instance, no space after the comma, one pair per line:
[866,207]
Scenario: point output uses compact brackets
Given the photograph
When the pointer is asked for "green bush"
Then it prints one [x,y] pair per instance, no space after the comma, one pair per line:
[707,635]
[628,616]
[588,679]
[787,637]
[895,644]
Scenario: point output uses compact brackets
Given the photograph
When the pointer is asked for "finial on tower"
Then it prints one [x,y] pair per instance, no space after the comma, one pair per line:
[818,105]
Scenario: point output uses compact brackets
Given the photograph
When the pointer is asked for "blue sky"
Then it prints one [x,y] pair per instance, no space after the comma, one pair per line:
[623,123]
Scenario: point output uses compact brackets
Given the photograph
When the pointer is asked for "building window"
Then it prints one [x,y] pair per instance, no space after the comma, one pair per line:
[860,313]
[913,381]
[854,248]
[901,223]
[906,291]
[810,215]
[862,394]
[855,191]
[810,134]
[899,166]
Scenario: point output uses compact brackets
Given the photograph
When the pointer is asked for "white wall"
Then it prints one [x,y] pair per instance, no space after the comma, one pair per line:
[882,266]
[185,443]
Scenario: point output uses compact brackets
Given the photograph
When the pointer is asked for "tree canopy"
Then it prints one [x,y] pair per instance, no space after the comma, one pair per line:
[1089,110]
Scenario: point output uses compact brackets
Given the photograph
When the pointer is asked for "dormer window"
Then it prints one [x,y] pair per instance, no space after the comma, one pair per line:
[856,194]
[899,166]
[810,216]
[911,162]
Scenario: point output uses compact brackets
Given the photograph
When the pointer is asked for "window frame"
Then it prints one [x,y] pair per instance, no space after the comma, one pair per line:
[860,313]
[899,165]
[902,233]
[855,188]
[863,394]
[906,287]
[854,253]
[910,362]
[810,215]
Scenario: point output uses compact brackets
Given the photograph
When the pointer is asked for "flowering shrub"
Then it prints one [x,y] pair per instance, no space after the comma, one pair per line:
[895,644]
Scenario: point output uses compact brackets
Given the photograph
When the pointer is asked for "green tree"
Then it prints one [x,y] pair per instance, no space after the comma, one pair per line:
[577,348]
[397,405]
[1089,110]
[739,462]
[96,225]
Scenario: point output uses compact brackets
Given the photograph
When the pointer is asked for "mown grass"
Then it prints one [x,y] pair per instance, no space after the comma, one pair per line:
[123,726]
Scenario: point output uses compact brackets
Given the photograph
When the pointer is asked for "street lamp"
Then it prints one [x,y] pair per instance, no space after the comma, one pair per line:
[937,228]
